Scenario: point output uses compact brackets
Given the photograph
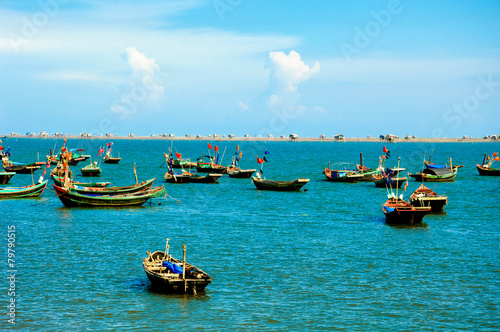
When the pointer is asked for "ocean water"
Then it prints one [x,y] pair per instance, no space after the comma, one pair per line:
[321,259]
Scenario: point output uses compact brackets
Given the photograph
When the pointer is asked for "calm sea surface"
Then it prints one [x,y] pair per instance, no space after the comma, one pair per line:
[323,259]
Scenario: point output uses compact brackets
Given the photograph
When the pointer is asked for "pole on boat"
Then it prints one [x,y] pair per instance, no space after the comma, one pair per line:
[484,159]
[184,267]
[451,165]
[361,159]
[397,187]
[135,172]
[166,251]
[223,155]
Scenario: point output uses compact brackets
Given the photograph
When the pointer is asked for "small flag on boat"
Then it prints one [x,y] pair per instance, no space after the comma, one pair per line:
[241,154]
[261,172]
[166,157]
[238,147]
[209,146]
[178,155]
[259,161]
[216,148]
[266,152]
[265,159]
[406,185]
[488,158]
[1,148]
[387,152]
[497,158]
[494,154]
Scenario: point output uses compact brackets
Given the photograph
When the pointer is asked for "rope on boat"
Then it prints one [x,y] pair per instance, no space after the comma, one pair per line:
[45,201]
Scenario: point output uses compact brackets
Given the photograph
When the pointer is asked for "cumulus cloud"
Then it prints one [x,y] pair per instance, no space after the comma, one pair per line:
[289,70]
[144,72]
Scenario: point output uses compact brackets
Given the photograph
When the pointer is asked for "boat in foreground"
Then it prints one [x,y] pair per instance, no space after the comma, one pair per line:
[398,211]
[33,190]
[486,170]
[172,275]
[72,198]
[115,190]
[435,175]
[294,185]
[426,197]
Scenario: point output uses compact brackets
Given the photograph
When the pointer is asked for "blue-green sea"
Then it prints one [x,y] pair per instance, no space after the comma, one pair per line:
[321,259]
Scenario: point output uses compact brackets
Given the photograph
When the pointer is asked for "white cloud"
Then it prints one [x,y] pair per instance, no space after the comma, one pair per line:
[244,107]
[289,70]
[145,72]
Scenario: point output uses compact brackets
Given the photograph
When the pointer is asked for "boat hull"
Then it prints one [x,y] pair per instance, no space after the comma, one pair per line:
[241,174]
[488,171]
[405,215]
[295,185]
[209,178]
[73,199]
[422,177]
[91,172]
[176,178]
[382,182]
[112,160]
[23,192]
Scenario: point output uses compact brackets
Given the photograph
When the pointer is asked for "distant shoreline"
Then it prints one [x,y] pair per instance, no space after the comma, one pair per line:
[268,139]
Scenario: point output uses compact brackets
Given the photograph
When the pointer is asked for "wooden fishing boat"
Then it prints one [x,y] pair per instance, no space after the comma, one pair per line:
[172,275]
[294,185]
[115,190]
[33,190]
[60,180]
[342,175]
[426,197]
[54,160]
[398,211]
[209,167]
[108,159]
[182,163]
[6,176]
[207,178]
[20,168]
[91,170]
[71,198]
[382,181]
[487,170]
[173,177]
[236,172]
[435,175]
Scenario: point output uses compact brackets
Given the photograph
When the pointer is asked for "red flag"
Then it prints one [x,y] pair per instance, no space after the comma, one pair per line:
[238,147]
[385,150]
[494,154]
[1,148]
[488,158]
[383,157]
[216,148]
[406,185]
[209,146]
[241,154]
[178,155]
[497,158]
[166,157]
[259,161]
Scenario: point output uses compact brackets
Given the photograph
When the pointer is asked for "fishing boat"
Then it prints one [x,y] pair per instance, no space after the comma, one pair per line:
[60,180]
[367,173]
[6,176]
[108,159]
[486,169]
[207,178]
[114,190]
[209,167]
[398,211]
[74,158]
[174,177]
[71,198]
[426,197]
[387,181]
[20,168]
[235,172]
[91,170]
[33,190]
[435,175]
[342,173]
[172,275]
[294,185]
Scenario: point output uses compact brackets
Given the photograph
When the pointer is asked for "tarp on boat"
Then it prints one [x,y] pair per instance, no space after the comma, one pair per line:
[172,267]
[438,171]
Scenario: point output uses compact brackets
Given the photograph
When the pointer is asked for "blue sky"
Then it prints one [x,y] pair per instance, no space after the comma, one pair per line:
[425,68]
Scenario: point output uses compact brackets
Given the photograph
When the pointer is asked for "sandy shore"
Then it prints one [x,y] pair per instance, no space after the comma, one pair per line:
[270,139]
